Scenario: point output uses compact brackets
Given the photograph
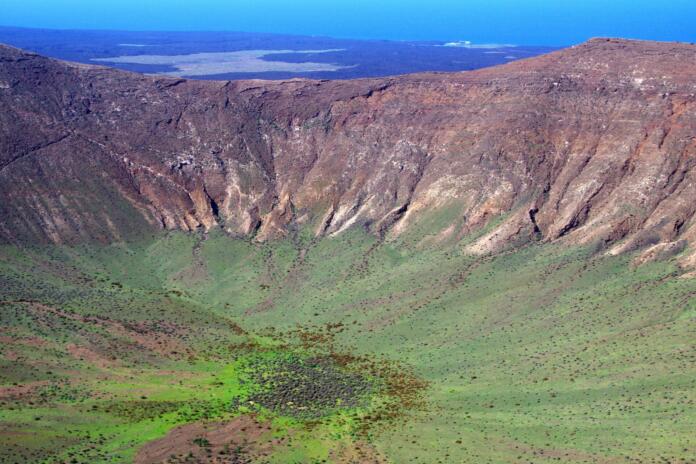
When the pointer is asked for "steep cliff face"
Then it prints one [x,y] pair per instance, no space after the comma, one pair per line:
[593,144]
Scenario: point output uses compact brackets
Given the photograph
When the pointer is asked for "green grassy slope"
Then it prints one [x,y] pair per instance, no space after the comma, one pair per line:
[544,354]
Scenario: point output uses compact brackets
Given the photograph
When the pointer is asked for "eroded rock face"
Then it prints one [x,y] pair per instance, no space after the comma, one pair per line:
[593,144]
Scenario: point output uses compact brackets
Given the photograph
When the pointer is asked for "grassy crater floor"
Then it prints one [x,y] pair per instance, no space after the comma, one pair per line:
[189,348]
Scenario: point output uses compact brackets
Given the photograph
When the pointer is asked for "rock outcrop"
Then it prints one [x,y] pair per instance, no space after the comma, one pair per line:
[595,144]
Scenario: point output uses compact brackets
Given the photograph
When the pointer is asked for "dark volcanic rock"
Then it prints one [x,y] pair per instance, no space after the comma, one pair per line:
[595,143]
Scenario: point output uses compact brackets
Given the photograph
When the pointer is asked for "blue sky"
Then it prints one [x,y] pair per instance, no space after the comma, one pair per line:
[542,22]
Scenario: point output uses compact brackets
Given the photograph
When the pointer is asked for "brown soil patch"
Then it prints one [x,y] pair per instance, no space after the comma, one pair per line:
[236,441]
[83,353]
[11,355]
[27,341]
[239,441]
[161,339]
[21,391]
[158,337]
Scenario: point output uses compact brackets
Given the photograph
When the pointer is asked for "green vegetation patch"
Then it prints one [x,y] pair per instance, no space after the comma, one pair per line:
[306,387]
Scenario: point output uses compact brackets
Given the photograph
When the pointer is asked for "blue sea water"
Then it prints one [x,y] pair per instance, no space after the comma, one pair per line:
[526,22]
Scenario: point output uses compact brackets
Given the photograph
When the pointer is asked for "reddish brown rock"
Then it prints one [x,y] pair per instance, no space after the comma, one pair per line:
[592,144]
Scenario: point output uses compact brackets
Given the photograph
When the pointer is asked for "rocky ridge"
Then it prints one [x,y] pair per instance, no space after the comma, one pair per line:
[595,144]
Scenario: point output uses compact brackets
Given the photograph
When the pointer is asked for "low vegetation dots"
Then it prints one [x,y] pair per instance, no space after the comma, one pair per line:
[305,388]
[185,348]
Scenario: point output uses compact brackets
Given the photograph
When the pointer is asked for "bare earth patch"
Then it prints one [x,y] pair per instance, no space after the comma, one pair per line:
[239,441]
[84,353]
[236,441]
[21,391]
